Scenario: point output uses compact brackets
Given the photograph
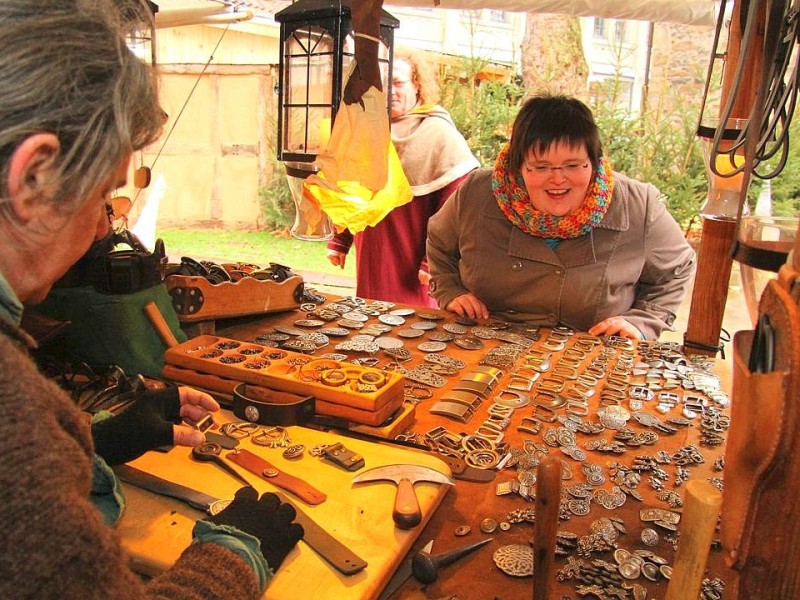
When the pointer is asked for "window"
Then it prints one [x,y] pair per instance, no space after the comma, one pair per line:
[497,16]
[599,27]
[619,31]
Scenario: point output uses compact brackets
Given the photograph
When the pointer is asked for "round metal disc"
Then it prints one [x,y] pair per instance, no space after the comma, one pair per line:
[385,343]
[468,342]
[424,325]
[515,560]
[391,319]
[431,346]
[455,328]
[410,333]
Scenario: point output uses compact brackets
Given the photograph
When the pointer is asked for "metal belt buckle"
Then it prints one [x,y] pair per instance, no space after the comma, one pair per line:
[511,399]
[470,399]
[453,410]
[477,387]
[521,383]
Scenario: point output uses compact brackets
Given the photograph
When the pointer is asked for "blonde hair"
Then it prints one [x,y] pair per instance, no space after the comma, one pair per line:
[423,72]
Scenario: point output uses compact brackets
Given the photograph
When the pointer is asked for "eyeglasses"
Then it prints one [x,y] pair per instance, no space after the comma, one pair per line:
[568,169]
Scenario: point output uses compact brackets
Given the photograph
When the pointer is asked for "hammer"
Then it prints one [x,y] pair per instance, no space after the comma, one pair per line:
[406,513]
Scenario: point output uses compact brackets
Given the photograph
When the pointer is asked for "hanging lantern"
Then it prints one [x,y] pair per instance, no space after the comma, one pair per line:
[317,49]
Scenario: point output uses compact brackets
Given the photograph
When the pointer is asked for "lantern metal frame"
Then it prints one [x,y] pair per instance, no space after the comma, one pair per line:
[308,22]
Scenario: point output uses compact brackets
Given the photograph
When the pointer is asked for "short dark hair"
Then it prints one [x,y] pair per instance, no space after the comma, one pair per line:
[544,120]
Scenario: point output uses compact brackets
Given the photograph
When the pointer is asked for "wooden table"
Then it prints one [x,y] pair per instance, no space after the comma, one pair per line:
[476,576]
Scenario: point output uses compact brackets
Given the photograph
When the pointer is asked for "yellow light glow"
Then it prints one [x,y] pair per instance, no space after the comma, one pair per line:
[723,167]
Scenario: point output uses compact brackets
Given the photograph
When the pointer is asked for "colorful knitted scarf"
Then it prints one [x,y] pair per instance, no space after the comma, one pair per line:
[512,197]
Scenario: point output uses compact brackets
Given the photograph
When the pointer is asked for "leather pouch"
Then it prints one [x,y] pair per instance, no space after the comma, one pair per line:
[757,422]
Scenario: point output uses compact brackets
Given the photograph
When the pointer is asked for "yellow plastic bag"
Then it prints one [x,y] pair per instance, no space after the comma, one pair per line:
[360,179]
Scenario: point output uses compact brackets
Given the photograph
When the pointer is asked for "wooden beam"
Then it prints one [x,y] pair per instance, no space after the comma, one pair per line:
[714,262]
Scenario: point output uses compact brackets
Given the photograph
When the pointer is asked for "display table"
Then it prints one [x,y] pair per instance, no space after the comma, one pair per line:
[573,379]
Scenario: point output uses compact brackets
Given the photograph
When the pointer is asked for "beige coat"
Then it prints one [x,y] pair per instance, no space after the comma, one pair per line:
[636,263]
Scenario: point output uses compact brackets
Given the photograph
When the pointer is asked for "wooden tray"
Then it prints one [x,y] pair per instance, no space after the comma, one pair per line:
[195,298]
[155,529]
[278,369]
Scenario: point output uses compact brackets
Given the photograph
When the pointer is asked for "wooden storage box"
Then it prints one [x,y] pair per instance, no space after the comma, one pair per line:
[197,299]
[282,370]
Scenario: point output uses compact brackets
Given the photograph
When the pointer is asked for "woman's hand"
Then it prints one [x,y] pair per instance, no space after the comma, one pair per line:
[468,305]
[616,326]
[194,406]
[336,258]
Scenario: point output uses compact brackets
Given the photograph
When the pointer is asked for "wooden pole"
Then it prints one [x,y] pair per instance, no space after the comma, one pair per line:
[701,508]
[714,260]
[160,325]
[548,501]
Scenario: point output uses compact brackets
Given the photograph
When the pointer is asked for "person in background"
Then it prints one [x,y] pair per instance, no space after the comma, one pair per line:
[76,104]
[390,257]
[551,235]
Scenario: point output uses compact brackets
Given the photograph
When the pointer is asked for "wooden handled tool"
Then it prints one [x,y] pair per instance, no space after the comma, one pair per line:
[160,325]
[701,508]
[548,500]
[406,513]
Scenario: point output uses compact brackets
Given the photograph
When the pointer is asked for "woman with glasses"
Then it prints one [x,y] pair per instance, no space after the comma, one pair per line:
[390,257]
[553,236]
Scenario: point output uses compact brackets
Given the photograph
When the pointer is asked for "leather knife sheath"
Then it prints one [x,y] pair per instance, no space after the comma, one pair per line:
[323,543]
[266,470]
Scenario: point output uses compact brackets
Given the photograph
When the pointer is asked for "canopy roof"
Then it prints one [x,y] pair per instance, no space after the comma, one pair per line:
[689,12]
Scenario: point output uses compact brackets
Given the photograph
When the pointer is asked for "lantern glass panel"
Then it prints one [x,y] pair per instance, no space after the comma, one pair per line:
[309,129]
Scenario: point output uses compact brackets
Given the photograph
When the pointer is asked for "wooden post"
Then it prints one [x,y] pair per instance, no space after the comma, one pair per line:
[714,260]
[699,520]
[548,501]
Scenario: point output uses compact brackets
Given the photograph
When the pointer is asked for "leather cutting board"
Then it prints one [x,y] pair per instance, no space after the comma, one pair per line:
[156,529]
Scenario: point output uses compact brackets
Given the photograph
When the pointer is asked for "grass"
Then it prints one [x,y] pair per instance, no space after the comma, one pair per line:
[260,248]
[256,247]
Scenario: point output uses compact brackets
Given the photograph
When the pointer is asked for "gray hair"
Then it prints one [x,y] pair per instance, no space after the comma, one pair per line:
[66,70]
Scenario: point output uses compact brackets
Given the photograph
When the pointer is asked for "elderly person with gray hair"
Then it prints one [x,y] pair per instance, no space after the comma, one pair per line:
[76,104]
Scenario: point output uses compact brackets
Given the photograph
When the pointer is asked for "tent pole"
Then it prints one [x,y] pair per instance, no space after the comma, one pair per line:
[714,262]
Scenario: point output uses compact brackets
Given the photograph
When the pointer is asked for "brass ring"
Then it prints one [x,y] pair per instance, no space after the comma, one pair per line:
[334,378]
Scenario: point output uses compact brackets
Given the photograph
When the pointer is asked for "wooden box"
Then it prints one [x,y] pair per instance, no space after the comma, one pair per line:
[197,299]
[349,395]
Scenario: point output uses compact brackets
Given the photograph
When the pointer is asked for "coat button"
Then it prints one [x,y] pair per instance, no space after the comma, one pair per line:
[559,272]
[516,265]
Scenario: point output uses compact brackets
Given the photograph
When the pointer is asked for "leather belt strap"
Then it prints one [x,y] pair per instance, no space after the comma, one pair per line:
[461,470]
[157,485]
[323,543]
[328,547]
[271,407]
[266,470]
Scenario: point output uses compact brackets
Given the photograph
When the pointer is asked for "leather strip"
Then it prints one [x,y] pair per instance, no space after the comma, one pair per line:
[323,543]
[271,407]
[266,470]
[157,485]
[461,470]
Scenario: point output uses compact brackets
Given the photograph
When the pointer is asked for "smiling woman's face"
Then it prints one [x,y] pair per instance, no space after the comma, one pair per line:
[557,180]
